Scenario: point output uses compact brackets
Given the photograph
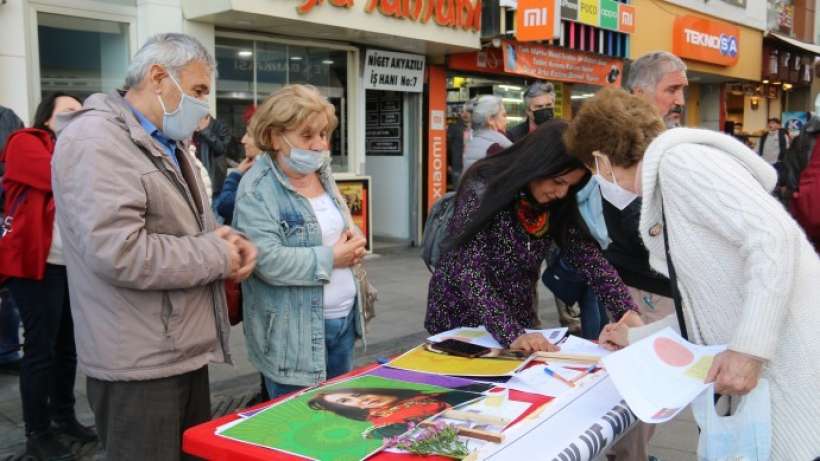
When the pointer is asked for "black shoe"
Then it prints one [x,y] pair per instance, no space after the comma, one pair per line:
[72,428]
[44,446]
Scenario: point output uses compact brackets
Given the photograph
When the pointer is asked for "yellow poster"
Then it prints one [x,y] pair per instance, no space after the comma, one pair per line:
[588,12]
[420,359]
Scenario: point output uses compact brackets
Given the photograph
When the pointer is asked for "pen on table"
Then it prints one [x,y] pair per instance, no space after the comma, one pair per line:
[555,375]
[590,370]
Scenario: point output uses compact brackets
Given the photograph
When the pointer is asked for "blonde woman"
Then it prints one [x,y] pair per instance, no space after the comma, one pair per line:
[746,272]
[301,306]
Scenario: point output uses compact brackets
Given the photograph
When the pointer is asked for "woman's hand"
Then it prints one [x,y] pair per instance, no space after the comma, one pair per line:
[533,342]
[616,335]
[734,373]
[349,250]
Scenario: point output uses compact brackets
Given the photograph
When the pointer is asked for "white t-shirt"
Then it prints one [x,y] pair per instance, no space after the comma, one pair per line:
[55,251]
[340,293]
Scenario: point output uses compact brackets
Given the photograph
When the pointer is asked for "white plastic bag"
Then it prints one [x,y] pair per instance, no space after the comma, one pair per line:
[744,436]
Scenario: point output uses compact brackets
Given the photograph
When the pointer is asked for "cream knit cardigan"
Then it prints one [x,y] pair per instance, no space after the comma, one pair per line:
[748,276]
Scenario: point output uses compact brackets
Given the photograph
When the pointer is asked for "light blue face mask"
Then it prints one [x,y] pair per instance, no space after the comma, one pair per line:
[180,124]
[592,210]
[305,161]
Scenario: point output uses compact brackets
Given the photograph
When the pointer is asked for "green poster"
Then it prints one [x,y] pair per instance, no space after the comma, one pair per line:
[345,421]
[609,14]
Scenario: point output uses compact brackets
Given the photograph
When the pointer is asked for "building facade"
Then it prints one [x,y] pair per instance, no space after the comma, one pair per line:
[370,58]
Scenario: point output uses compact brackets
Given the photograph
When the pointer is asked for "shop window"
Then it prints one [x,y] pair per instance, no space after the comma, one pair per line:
[250,70]
[81,56]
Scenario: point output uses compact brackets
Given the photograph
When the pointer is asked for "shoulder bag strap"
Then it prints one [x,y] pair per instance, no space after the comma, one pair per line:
[676,297]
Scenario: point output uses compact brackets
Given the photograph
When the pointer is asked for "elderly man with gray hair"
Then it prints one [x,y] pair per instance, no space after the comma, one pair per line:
[540,107]
[489,125]
[660,78]
[146,262]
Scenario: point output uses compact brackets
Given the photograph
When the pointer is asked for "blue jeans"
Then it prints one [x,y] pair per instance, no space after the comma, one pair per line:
[593,315]
[340,336]
[9,329]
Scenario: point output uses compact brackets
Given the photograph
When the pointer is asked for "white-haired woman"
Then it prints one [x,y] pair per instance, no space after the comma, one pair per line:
[301,306]
[747,275]
[489,128]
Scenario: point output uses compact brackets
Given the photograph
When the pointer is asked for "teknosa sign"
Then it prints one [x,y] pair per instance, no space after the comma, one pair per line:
[537,20]
[705,40]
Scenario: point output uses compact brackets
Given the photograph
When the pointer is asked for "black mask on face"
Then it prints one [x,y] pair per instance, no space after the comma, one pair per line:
[542,115]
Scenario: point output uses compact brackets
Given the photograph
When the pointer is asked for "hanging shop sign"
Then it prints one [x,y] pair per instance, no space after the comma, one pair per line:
[436,135]
[606,14]
[463,14]
[537,20]
[552,63]
[488,60]
[702,39]
[389,70]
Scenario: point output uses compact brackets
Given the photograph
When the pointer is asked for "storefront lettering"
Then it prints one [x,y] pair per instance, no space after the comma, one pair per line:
[464,14]
[309,4]
[726,44]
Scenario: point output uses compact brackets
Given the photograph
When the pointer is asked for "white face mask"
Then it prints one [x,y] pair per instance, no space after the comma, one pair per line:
[180,124]
[613,193]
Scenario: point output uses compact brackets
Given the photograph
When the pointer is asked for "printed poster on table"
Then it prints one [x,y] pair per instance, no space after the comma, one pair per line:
[660,375]
[345,421]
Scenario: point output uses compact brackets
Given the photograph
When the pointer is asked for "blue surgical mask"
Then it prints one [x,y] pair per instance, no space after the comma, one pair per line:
[592,211]
[305,161]
[180,124]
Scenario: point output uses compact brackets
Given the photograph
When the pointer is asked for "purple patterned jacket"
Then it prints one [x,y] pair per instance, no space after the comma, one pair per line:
[491,280]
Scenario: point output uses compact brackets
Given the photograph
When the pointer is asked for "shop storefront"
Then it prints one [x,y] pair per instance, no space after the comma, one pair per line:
[580,54]
[261,45]
[370,59]
[723,58]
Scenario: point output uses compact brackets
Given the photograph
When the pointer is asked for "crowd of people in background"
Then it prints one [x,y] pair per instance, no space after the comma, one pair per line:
[125,217]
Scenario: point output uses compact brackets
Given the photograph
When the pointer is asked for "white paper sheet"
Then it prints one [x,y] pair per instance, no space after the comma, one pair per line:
[581,346]
[536,381]
[481,337]
[660,375]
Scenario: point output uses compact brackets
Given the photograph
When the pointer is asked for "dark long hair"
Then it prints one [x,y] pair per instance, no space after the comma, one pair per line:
[46,109]
[506,175]
[359,414]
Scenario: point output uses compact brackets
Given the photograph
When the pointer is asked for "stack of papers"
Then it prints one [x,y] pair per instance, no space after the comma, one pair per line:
[481,337]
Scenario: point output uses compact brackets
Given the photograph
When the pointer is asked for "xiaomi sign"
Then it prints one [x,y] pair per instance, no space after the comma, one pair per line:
[705,40]
[537,20]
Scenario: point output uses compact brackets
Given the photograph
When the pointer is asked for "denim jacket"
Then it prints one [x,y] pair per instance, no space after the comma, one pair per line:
[283,305]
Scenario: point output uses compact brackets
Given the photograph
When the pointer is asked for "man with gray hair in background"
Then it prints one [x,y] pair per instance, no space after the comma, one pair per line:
[146,262]
[659,78]
[539,100]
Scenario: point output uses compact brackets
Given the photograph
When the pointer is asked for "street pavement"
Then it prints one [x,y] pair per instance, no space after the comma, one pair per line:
[401,278]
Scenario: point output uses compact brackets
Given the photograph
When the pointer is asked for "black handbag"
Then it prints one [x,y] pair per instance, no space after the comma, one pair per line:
[564,282]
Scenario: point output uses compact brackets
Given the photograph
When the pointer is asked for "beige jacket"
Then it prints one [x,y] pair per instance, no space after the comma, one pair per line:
[145,269]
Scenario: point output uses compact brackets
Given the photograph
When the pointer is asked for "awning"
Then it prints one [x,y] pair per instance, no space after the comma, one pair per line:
[810,47]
